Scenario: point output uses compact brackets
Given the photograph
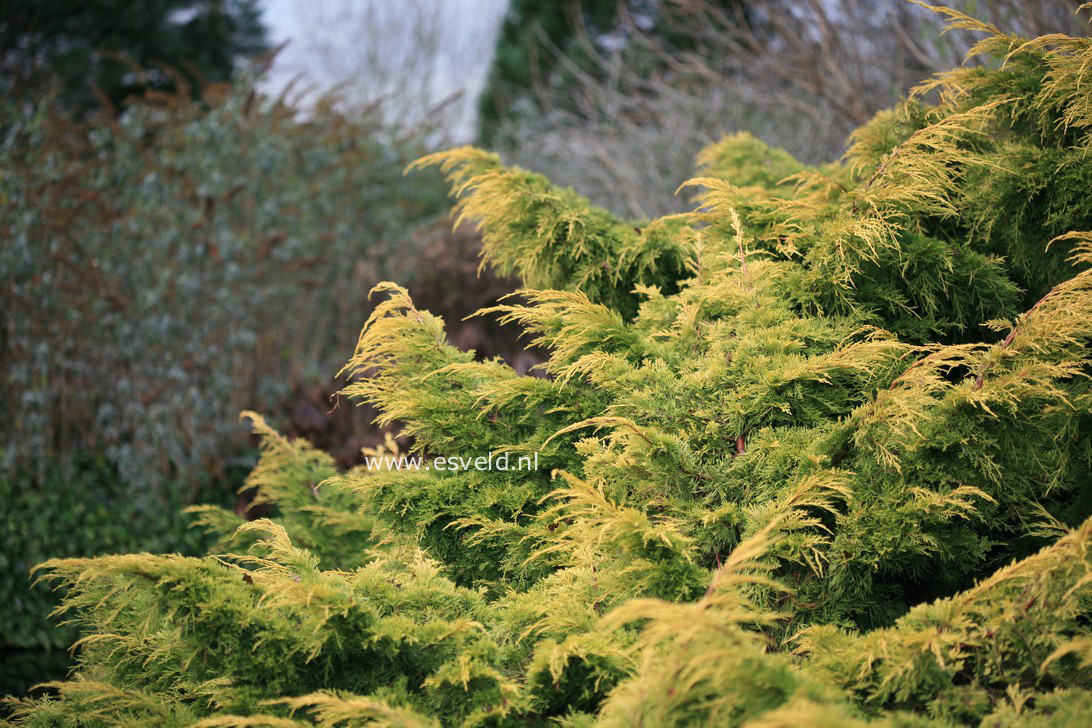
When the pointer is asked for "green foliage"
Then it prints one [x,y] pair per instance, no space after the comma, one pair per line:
[816,453]
[531,34]
[98,49]
[84,515]
[288,477]
[552,238]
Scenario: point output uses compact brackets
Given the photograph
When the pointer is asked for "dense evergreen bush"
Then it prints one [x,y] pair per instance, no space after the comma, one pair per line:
[816,453]
[82,515]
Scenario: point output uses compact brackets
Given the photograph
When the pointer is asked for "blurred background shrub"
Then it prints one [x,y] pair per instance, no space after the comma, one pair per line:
[170,266]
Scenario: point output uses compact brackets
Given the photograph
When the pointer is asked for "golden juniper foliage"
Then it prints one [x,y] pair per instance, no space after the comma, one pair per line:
[817,453]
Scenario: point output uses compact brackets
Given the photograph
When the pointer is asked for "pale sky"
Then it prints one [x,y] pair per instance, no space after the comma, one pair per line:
[413,53]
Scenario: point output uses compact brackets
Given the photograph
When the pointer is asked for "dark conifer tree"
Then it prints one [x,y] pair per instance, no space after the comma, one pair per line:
[122,47]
